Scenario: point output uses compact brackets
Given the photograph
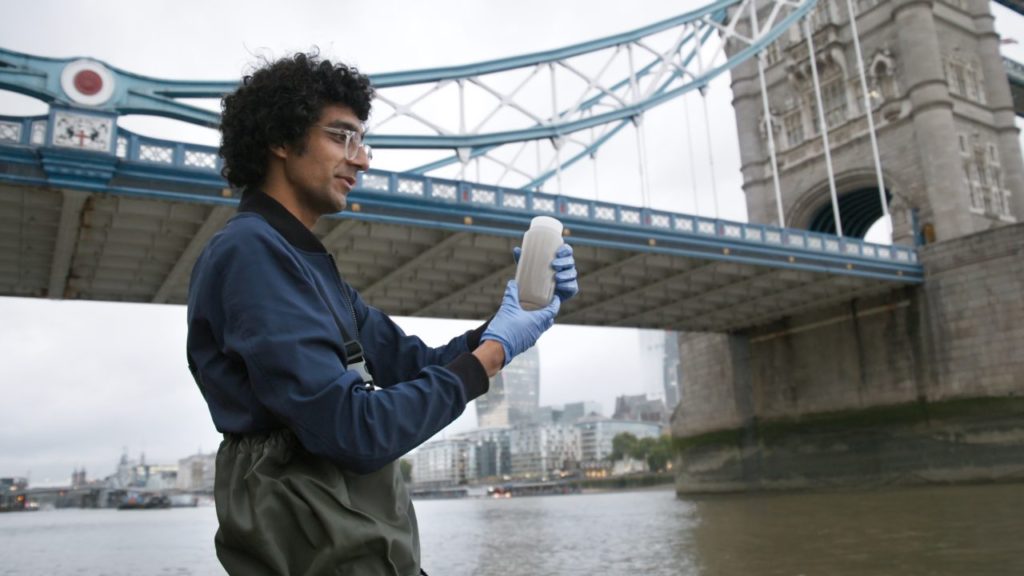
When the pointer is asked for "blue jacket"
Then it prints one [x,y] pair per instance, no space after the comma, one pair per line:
[265,348]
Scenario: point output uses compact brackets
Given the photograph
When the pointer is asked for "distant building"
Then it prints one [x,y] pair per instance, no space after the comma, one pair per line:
[659,367]
[576,411]
[13,484]
[596,436]
[161,477]
[138,475]
[672,371]
[442,463]
[489,456]
[196,472]
[514,394]
[639,407]
[544,451]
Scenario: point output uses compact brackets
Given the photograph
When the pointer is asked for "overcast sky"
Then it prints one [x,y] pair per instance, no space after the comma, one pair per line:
[81,380]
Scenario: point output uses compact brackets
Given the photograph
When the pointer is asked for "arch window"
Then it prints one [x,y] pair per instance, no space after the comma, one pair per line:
[983,178]
[964,80]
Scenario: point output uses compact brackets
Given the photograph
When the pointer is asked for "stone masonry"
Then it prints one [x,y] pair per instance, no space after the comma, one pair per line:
[940,101]
[920,384]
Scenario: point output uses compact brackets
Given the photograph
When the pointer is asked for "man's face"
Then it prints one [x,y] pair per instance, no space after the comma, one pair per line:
[321,177]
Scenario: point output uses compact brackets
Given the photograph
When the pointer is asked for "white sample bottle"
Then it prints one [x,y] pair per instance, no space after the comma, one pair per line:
[534,274]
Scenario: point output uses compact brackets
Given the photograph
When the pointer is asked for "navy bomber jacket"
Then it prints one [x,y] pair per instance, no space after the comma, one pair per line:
[266,351]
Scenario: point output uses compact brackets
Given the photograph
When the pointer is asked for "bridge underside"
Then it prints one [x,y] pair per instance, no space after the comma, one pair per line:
[75,244]
[1015,5]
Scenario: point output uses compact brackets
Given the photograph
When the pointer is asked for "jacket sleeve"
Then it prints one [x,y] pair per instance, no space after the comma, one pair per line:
[396,356]
[276,321]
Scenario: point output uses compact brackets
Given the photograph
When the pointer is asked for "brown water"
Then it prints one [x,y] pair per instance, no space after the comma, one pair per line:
[974,530]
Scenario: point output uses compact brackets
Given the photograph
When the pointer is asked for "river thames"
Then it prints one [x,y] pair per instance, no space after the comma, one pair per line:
[972,530]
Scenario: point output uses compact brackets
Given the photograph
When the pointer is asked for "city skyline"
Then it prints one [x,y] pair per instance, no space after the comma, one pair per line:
[132,388]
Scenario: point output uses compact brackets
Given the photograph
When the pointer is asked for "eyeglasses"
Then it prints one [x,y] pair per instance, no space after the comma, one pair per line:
[351,140]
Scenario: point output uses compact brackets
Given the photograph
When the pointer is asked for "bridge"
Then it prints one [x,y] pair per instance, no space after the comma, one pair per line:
[797,331]
[93,211]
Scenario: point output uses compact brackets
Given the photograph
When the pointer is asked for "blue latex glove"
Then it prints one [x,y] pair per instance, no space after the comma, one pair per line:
[566,284]
[516,329]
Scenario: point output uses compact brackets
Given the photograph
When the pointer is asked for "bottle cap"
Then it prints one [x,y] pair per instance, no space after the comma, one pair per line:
[546,222]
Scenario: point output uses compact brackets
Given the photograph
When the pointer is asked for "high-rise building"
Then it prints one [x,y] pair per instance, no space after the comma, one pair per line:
[489,453]
[659,365]
[940,106]
[575,411]
[596,435]
[442,463]
[671,369]
[196,472]
[514,394]
[640,408]
[540,452]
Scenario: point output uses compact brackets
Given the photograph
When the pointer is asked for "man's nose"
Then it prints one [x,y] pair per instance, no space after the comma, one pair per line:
[361,161]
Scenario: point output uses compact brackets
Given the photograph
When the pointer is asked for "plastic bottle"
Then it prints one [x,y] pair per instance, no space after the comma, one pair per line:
[534,274]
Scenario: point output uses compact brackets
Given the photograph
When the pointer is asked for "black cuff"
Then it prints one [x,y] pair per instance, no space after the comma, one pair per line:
[473,336]
[472,374]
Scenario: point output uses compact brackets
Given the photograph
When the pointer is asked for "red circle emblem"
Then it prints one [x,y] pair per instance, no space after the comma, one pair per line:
[88,82]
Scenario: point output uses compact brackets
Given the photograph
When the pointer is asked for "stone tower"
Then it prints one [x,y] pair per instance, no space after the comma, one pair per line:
[915,385]
[943,113]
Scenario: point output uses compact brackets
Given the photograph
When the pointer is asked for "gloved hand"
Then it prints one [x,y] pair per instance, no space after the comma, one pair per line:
[517,329]
[566,284]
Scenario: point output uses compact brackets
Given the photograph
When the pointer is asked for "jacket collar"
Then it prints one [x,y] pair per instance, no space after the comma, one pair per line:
[280,219]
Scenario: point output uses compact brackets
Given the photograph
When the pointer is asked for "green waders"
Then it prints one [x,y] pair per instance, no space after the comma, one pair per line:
[284,511]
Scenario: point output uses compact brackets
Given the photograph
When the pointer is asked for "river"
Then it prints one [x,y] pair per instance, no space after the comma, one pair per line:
[969,530]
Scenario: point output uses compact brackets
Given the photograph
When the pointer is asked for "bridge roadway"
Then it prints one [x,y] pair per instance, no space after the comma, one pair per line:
[128,225]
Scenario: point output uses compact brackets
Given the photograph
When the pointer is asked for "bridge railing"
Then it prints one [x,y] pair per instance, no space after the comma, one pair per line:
[522,202]
[137,151]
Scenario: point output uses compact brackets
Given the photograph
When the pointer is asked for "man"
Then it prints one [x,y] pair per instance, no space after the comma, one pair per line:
[282,347]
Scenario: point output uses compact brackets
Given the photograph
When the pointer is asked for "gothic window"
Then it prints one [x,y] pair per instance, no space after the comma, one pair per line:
[882,81]
[970,81]
[863,5]
[772,53]
[794,126]
[833,100]
[821,15]
[983,177]
[964,80]
[858,97]
[955,78]
[971,179]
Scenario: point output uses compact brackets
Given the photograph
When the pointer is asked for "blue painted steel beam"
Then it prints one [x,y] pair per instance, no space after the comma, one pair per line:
[1015,5]
[429,202]
[503,64]
[1015,75]
[590,150]
[40,77]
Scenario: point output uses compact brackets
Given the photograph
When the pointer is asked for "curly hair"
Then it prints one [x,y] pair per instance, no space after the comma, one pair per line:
[276,105]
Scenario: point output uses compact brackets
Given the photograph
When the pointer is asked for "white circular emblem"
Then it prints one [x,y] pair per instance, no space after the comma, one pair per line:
[87,82]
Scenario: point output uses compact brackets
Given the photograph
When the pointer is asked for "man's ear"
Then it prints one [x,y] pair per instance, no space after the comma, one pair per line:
[280,151]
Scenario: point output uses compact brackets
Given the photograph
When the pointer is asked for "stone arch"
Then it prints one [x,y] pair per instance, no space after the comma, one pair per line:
[859,206]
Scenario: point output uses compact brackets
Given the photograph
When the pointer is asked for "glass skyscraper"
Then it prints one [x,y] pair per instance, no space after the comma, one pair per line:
[514,396]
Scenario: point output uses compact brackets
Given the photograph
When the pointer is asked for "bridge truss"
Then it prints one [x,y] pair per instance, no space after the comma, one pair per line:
[91,210]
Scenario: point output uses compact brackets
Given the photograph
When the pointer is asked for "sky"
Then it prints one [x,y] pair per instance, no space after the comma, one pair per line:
[82,381]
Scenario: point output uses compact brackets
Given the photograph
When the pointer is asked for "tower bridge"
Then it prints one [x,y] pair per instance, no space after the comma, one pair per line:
[788,317]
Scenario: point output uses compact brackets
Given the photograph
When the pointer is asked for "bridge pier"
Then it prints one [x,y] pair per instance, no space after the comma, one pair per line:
[919,385]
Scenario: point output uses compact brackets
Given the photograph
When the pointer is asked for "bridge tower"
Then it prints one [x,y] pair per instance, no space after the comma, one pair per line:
[942,110]
[910,385]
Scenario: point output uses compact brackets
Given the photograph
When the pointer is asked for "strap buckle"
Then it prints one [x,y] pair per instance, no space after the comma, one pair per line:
[355,360]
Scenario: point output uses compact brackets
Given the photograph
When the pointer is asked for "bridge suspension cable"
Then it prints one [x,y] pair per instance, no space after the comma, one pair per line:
[768,121]
[871,119]
[486,110]
[823,125]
